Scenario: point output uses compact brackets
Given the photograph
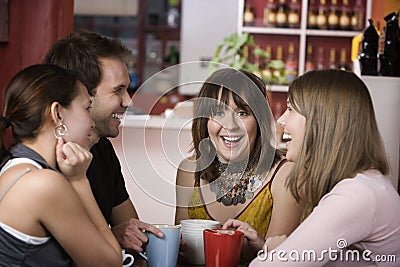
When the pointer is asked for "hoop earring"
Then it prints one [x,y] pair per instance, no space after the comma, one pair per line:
[60,130]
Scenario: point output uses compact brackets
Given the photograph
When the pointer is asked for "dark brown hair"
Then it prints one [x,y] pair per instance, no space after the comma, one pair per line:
[249,93]
[81,51]
[28,97]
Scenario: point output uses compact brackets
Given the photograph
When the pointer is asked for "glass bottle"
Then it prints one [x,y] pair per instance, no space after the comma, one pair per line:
[357,19]
[291,65]
[294,14]
[246,53]
[309,64]
[269,18]
[282,14]
[248,15]
[368,55]
[312,15]
[256,62]
[322,15]
[377,26]
[345,16]
[277,74]
[389,57]
[320,59]
[332,59]
[343,60]
[266,73]
[173,16]
[279,52]
[333,16]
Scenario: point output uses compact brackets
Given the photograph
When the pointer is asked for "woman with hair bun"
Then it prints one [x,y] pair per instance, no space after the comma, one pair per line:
[48,215]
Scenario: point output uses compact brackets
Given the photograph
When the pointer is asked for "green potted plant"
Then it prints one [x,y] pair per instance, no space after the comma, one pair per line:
[233,51]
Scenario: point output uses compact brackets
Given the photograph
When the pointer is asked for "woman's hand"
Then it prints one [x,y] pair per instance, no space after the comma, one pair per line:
[273,241]
[72,159]
[251,236]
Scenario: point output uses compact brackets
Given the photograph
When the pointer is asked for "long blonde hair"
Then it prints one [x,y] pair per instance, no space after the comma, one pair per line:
[341,134]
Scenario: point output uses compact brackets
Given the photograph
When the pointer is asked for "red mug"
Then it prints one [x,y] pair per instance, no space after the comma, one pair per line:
[222,247]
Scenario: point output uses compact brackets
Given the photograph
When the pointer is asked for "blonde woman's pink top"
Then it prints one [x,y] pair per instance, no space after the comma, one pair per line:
[356,224]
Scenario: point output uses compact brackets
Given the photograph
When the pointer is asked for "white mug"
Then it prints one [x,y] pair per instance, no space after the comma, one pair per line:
[126,256]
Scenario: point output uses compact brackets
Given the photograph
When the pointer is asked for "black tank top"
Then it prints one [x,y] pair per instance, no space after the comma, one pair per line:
[15,252]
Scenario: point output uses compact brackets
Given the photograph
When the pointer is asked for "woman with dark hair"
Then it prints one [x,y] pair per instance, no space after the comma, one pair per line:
[351,208]
[236,171]
[48,216]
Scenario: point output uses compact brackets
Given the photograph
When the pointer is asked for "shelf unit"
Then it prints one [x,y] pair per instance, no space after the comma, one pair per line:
[163,34]
[300,35]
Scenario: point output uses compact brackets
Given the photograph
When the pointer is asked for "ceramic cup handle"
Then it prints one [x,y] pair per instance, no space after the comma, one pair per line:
[128,259]
[143,255]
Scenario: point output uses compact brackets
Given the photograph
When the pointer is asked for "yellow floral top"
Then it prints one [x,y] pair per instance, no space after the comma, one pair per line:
[257,213]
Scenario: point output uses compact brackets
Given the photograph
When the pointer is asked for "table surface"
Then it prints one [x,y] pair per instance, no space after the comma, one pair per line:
[140,262]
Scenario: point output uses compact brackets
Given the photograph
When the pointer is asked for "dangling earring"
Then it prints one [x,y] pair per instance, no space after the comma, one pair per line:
[60,130]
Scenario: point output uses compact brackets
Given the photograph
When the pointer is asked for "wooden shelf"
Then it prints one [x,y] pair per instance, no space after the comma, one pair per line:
[277,88]
[331,33]
[267,30]
[300,36]
[290,31]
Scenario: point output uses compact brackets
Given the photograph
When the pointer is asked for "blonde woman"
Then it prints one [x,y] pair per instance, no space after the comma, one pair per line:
[352,211]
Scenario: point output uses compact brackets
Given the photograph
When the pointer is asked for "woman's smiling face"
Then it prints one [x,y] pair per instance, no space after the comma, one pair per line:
[233,132]
[78,120]
[294,125]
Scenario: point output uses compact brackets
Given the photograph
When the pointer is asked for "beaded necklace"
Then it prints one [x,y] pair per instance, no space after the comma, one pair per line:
[235,183]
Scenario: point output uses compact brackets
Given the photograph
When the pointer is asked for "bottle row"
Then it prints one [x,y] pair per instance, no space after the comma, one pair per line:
[335,15]
[334,62]
[346,15]
[281,14]
[277,66]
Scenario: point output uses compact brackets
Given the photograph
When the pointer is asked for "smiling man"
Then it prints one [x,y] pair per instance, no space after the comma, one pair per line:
[100,63]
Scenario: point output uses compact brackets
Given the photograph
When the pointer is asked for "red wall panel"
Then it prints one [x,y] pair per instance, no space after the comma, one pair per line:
[34,25]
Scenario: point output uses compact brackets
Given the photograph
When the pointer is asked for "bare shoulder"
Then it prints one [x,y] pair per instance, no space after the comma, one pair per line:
[32,176]
[185,174]
[188,164]
[282,174]
[36,191]
[46,176]
[46,184]
[279,188]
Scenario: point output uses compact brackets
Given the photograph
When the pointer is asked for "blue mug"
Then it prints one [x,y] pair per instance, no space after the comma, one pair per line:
[163,252]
